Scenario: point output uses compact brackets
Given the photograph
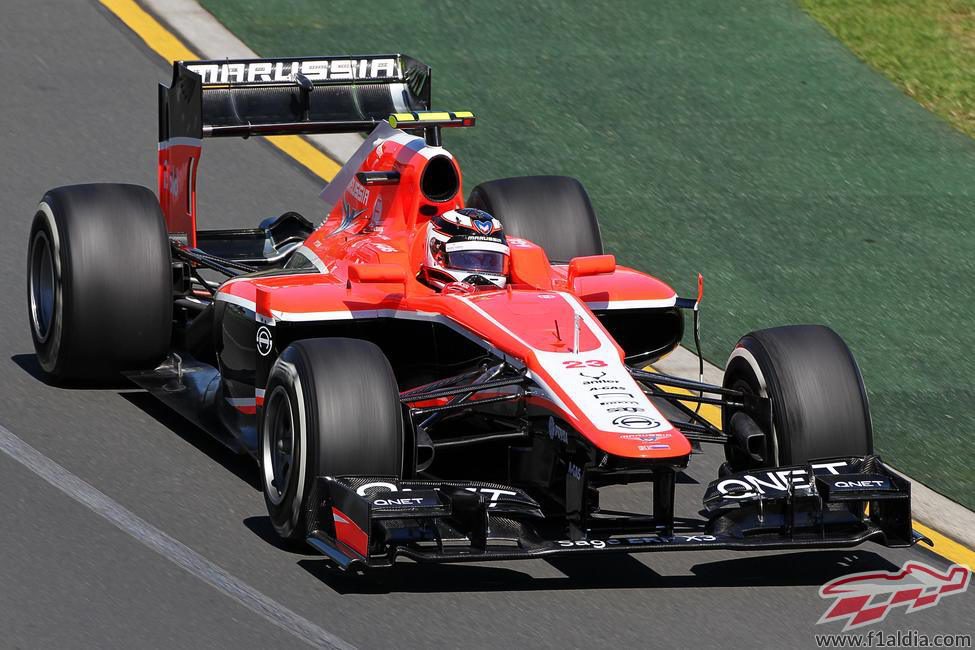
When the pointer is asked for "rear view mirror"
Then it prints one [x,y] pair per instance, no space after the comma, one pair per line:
[377,273]
[591,265]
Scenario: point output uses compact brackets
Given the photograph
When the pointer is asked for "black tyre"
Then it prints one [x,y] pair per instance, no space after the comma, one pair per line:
[99,281]
[819,406]
[331,407]
[551,211]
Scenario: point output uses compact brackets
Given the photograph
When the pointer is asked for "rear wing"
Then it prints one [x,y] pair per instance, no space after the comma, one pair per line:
[287,96]
[325,94]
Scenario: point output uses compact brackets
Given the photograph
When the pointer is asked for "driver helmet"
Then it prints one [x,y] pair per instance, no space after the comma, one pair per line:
[466,245]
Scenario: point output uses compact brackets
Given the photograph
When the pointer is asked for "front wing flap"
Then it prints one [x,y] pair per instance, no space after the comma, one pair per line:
[370,521]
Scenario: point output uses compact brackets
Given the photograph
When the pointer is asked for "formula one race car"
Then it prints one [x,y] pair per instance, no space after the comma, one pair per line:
[426,377]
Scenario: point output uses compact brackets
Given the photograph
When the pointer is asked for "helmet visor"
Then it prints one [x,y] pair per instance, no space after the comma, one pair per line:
[483,261]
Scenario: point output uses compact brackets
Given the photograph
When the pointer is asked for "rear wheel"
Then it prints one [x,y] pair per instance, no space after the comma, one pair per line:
[99,281]
[331,408]
[551,211]
[818,402]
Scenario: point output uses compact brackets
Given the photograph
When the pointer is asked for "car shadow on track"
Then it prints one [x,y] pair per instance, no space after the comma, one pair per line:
[29,364]
[605,572]
[240,465]
[261,526]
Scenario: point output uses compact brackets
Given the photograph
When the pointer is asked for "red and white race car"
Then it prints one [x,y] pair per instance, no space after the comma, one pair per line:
[430,377]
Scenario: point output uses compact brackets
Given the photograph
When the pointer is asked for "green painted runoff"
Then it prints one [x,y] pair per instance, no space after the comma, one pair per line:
[741,140]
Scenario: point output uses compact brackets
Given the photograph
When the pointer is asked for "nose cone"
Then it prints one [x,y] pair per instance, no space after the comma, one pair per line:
[580,367]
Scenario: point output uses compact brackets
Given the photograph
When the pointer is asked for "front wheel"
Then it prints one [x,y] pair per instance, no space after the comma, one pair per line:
[331,409]
[818,402]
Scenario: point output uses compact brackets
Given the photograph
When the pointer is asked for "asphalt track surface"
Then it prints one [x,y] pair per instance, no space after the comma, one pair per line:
[77,104]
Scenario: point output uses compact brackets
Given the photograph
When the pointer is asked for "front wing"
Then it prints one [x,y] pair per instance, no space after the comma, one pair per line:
[370,521]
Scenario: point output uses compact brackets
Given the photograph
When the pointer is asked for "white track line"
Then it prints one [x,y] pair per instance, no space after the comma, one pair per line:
[170,548]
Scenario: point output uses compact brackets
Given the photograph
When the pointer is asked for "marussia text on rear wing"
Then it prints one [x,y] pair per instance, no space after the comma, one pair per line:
[246,97]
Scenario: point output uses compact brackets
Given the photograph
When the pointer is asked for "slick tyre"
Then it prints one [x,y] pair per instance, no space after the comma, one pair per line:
[551,211]
[99,281]
[818,402]
[331,407]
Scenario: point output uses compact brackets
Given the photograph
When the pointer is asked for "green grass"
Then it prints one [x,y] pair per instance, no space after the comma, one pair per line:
[927,47]
[739,139]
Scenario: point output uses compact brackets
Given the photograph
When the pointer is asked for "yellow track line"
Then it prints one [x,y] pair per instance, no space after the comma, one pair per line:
[168,46]
[159,39]
[947,547]
[164,43]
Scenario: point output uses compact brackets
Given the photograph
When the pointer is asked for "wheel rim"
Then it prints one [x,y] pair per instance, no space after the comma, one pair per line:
[42,286]
[278,445]
[742,384]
